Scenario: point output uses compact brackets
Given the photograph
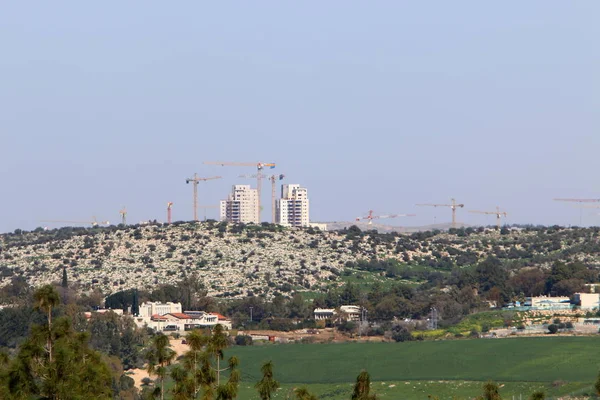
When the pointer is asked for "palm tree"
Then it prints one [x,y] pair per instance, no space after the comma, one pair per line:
[217,343]
[229,391]
[197,341]
[362,387]
[46,298]
[267,385]
[159,357]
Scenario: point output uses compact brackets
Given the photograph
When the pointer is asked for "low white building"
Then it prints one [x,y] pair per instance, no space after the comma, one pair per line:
[588,301]
[347,313]
[549,303]
[148,309]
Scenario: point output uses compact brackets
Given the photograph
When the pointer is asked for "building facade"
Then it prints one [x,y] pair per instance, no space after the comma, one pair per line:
[293,207]
[241,205]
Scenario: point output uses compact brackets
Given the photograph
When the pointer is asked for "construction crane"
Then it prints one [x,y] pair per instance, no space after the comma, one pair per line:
[94,222]
[371,217]
[273,179]
[123,213]
[497,213]
[259,167]
[195,181]
[169,206]
[580,201]
[453,205]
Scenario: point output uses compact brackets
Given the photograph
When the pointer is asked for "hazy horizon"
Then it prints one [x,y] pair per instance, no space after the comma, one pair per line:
[369,106]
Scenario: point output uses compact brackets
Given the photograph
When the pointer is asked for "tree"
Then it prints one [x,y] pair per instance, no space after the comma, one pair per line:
[538,395]
[362,387]
[159,357]
[46,298]
[74,372]
[491,391]
[217,343]
[552,328]
[267,385]
[304,394]
[65,282]
[597,385]
[135,303]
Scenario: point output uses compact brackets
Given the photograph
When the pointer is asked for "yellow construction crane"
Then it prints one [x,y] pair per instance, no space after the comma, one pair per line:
[497,213]
[273,179]
[259,167]
[453,206]
[94,222]
[195,181]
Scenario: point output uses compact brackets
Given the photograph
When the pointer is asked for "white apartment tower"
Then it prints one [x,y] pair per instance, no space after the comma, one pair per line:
[293,207]
[241,205]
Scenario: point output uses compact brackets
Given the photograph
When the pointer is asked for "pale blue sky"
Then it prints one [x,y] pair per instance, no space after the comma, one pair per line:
[368,104]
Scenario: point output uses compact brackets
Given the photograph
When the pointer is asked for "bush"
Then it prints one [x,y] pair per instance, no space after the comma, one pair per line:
[243,340]
[401,334]
[552,328]
[569,325]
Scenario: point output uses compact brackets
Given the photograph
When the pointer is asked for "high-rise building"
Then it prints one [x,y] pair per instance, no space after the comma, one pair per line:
[241,205]
[293,207]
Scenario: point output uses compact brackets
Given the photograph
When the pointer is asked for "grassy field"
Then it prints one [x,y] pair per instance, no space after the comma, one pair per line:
[443,368]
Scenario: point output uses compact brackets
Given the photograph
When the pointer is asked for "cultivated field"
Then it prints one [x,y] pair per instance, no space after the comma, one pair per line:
[559,365]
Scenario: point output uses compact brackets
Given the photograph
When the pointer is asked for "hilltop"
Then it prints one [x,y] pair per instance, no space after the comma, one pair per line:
[238,260]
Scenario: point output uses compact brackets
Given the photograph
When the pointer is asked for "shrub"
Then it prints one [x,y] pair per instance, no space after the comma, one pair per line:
[243,340]
[552,328]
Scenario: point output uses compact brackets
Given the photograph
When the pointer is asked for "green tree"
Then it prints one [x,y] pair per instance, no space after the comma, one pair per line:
[217,343]
[362,387]
[196,341]
[267,385]
[538,395]
[65,282]
[135,303]
[491,391]
[229,390]
[75,371]
[46,298]
[159,357]
[304,394]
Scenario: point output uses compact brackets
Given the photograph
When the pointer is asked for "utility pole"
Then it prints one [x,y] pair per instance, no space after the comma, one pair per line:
[195,181]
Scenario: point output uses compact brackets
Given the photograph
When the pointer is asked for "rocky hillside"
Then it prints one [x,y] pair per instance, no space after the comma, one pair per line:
[237,260]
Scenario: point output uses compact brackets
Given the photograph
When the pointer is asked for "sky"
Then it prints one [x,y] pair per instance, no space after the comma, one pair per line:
[370,105]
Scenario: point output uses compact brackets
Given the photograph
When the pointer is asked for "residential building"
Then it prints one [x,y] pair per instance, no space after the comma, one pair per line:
[347,313]
[324,313]
[587,301]
[148,309]
[293,207]
[241,205]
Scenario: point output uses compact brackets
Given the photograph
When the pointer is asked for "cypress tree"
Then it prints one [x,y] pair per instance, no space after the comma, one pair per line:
[65,282]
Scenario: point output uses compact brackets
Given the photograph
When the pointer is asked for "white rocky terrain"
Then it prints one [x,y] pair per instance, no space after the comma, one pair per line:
[234,261]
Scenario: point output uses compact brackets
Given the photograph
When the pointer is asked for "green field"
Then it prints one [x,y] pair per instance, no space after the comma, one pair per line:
[444,368]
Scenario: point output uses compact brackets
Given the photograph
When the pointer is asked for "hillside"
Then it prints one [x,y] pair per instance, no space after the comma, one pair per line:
[234,261]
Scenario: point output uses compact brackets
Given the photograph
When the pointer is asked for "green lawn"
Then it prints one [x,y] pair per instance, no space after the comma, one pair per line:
[443,368]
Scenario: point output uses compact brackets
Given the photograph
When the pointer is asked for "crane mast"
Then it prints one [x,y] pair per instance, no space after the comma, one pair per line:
[195,181]
[273,179]
[497,213]
[453,206]
[259,167]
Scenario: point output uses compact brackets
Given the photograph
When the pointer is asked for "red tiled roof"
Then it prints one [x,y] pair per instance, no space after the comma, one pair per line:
[180,315]
[219,316]
[157,317]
